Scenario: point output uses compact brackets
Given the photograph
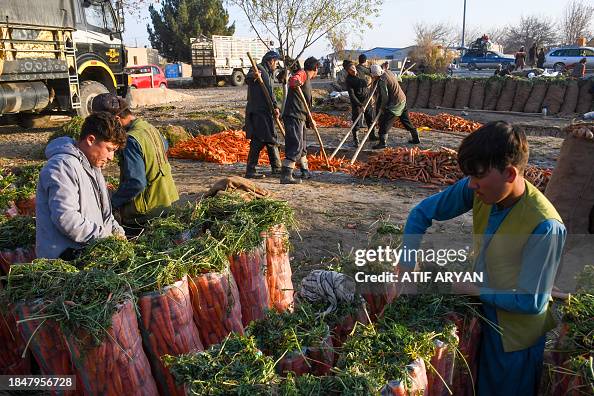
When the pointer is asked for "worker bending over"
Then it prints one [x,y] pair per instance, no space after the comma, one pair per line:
[359,94]
[391,102]
[519,237]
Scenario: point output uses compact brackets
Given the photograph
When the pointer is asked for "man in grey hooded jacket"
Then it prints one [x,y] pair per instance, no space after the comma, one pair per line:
[72,202]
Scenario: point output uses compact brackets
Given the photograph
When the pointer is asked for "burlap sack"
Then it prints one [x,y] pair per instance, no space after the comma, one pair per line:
[449,93]
[463,93]
[522,94]
[506,98]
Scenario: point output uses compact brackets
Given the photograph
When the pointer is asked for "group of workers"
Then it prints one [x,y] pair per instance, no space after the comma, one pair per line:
[372,90]
[520,234]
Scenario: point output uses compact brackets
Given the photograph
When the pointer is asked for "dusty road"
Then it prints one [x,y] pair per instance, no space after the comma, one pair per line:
[336,212]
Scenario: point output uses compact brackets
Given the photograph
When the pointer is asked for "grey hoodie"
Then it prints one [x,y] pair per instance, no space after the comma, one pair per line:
[72,203]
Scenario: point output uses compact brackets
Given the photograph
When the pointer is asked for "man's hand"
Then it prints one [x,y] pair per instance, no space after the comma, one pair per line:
[257,74]
[276,113]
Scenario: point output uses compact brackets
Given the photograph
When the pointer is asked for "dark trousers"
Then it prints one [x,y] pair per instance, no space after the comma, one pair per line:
[295,144]
[256,146]
[386,121]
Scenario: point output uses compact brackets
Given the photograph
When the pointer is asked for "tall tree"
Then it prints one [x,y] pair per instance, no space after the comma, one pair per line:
[180,20]
[531,29]
[576,20]
[297,24]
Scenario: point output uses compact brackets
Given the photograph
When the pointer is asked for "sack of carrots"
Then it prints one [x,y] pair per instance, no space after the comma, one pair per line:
[46,341]
[278,268]
[248,270]
[300,341]
[13,361]
[17,241]
[167,328]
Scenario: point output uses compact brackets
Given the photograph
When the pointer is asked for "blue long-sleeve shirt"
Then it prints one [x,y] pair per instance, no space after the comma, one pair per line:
[133,173]
[540,258]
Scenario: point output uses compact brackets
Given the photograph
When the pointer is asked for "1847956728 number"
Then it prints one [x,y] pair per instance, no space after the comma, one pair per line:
[37,382]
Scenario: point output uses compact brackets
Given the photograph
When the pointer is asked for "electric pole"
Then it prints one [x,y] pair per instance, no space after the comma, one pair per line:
[464,24]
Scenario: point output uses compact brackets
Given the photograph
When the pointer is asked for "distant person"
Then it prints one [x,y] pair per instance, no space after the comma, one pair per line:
[532,55]
[259,118]
[391,102]
[386,66]
[72,205]
[295,118]
[541,59]
[521,59]
[498,70]
[363,70]
[579,69]
[359,94]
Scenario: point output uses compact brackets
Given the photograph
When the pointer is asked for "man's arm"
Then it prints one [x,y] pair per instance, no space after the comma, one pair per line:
[452,202]
[133,174]
[540,261]
[297,79]
[63,201]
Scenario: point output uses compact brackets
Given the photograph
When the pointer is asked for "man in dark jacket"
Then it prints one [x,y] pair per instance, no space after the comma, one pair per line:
[359,94]
[259,117]
[146,186]
[295,120]
[362,69]
[392,104]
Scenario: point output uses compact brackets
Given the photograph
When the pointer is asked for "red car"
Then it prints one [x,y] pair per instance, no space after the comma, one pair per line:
[149,76]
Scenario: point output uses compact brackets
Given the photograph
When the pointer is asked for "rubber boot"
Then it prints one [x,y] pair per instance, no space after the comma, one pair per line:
[373,137]
[287,176]
[305,173]
[252,162]
[275,171]
[355,139]
[414,137]
[381,144]
[275,161]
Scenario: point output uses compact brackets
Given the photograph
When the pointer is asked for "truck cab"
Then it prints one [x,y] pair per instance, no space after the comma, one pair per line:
[57,55]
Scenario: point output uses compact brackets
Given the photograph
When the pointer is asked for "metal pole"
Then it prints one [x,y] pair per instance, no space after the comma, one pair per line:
[464,24]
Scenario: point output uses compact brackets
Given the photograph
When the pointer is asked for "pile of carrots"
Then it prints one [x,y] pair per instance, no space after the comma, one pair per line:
[441,122]
[433,167]
[231,147]
[329,121]
[426,166]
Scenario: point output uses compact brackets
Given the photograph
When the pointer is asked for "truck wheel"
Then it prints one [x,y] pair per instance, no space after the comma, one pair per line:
[88,91]
[237,78]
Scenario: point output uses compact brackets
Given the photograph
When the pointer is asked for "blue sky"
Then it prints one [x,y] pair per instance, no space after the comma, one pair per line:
[394,27]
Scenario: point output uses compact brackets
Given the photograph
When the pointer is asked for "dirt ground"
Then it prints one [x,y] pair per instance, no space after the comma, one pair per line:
[336,212]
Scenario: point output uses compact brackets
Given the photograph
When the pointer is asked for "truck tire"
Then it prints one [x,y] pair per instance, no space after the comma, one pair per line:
[237,78]
[88,91]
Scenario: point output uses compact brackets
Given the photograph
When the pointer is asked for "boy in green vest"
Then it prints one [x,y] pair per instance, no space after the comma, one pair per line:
[519,237]
[146,186]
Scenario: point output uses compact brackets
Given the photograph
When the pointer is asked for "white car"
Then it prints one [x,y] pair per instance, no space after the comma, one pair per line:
[559,58]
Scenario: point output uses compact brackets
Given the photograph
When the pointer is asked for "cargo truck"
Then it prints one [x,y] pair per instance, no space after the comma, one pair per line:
[57,55]
[224,58]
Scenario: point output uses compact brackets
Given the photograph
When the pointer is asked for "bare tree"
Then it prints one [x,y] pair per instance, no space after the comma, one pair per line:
[297,24]
[576,21]
[338,39]
[436,34]
[531,29]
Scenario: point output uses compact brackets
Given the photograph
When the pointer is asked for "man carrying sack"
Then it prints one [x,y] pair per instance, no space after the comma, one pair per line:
[146,188]
[519,238]
[391,101]
[358,94]
[295,119]
[259,117]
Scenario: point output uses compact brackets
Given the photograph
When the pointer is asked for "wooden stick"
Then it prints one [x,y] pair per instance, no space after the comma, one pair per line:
[365,138]
[313,123]
[354,123]
[279,124]
[410,67]
[403,63]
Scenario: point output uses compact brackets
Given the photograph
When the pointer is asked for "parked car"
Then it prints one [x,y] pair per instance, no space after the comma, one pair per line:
[148,76]
[476,60]
[559,58]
